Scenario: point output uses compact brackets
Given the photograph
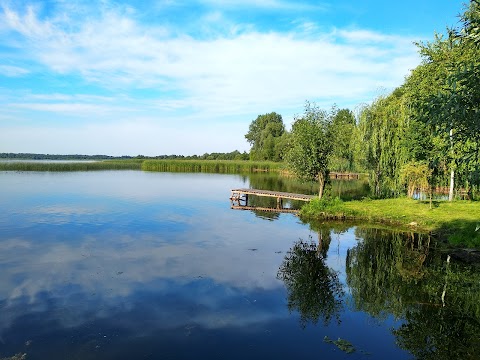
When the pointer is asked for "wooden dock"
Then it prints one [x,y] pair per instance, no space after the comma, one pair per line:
[344,176]
[257,208]
[237,194]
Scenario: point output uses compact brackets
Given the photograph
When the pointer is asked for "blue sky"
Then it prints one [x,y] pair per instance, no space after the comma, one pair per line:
[158,77]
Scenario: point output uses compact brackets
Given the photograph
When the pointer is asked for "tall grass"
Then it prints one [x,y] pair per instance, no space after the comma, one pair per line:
[170,165]
[71,166]
[211,166]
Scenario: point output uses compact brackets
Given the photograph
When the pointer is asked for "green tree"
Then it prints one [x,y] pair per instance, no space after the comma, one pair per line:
[343,132]
[311,146]
[416,176]
[382,128]
[263,134]
[449,103]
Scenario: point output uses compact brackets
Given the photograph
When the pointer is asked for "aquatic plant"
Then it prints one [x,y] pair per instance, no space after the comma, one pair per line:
[211,166]
[71,166]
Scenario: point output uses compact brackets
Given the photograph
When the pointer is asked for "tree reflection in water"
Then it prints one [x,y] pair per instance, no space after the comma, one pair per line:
[314,289]
[439,302]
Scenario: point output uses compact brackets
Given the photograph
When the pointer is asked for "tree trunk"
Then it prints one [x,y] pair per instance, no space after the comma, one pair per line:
[452,173]
[430,193]
[452,179]
[321,183]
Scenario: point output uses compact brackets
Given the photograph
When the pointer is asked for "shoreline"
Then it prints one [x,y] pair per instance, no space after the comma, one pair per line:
[457,222]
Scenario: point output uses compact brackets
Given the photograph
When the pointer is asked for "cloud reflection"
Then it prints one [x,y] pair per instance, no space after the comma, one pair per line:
[81,259]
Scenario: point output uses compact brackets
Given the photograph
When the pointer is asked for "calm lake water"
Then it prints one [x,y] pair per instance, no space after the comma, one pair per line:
[136,265]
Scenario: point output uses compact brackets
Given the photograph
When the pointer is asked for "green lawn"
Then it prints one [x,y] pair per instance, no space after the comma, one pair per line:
[458,221]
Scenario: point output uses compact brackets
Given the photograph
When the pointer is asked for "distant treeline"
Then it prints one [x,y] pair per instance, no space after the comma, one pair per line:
[234,155]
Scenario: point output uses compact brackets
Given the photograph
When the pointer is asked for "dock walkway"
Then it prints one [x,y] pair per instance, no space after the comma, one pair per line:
[238,193]
[257,208]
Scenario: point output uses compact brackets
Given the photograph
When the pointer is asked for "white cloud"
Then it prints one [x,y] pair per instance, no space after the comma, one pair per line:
[28,25]
[228,74]
[13,71]
[372,37]
[116,49]
[267,4]
[66,108]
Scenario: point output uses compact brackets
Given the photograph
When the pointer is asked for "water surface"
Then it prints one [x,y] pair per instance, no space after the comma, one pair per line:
[136,265]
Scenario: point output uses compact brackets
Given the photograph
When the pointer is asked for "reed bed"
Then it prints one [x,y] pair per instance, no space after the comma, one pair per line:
[71,166]
[211,166]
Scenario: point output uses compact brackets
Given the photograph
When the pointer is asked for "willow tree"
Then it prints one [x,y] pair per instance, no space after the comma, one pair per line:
[416,176]
[311,145]
[383,125]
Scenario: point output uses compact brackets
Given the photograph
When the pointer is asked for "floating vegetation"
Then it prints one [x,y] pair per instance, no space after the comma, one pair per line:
[16,357]
[342,344]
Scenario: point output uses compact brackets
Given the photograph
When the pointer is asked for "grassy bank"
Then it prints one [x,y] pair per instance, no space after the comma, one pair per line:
[211,166]
[71,166]
[457,221]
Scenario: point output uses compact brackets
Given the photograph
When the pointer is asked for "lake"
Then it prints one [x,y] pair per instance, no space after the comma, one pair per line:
[140,265]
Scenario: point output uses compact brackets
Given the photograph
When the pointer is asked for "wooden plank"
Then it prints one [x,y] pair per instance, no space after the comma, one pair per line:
[268,193]
[256,208]
[344,176]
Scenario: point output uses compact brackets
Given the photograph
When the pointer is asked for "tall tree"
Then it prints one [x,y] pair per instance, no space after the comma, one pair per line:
[263,134]
[451,106]
[343,128]
[382,127]
[311,145]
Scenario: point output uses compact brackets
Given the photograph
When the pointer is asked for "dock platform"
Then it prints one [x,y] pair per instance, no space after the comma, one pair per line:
[257,208]
[238,193]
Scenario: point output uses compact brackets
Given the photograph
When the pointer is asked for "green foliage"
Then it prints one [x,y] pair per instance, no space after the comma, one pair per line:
[333,208]
[470,30]
[457,222]
[234,155]
[311,145]
[416,176]
[382,127]
[444,96]
[343,132]
[263,134]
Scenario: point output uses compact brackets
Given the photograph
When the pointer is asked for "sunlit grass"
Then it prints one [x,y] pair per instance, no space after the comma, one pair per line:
[458,221]
[211,166]
[71,166]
